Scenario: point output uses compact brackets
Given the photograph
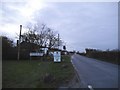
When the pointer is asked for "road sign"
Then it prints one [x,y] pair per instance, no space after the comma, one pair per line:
[36,54]
[57,56]
[44,50]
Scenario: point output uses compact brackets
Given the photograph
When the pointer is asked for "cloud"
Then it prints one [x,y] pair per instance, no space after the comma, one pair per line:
[83,24]
[80,24]
[15,13]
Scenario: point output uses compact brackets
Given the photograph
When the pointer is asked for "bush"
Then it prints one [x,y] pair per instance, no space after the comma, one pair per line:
[110,56]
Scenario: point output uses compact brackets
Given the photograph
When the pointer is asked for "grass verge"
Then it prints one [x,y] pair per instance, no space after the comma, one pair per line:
[30,74]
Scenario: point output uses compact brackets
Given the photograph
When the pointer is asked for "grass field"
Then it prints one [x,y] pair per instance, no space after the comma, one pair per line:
[30,74]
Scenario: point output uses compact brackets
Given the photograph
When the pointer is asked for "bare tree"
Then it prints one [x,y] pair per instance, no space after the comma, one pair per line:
[42,35]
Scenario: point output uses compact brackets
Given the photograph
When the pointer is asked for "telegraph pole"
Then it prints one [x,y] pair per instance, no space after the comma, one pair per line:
[19,42]
[58,40]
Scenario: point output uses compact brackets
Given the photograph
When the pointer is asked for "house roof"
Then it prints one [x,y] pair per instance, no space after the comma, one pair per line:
[30,46]
[54,49]
[27,44]
[33,46]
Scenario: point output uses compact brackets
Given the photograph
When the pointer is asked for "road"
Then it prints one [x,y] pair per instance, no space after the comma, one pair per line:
[0,73]
[96,73]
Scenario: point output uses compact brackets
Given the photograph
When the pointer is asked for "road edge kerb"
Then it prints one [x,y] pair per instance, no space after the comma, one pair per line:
[76,73]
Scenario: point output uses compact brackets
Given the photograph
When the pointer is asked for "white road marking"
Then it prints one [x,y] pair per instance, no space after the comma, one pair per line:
[90,87]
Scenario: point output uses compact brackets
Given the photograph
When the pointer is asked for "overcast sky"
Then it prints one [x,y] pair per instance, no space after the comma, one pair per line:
[80,24]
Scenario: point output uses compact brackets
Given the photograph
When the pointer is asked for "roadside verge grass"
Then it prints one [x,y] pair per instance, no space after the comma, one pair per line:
[31,74]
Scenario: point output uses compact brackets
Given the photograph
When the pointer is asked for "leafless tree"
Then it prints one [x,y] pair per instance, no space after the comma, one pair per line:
[42,35]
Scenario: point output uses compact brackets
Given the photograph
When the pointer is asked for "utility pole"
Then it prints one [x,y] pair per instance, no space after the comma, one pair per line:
[58,40]
[19,42]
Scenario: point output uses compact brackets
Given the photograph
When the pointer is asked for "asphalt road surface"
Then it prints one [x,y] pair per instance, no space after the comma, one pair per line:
[95,73]
[0,73]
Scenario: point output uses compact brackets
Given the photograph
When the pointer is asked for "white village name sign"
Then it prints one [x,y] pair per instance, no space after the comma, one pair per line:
[57,56]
